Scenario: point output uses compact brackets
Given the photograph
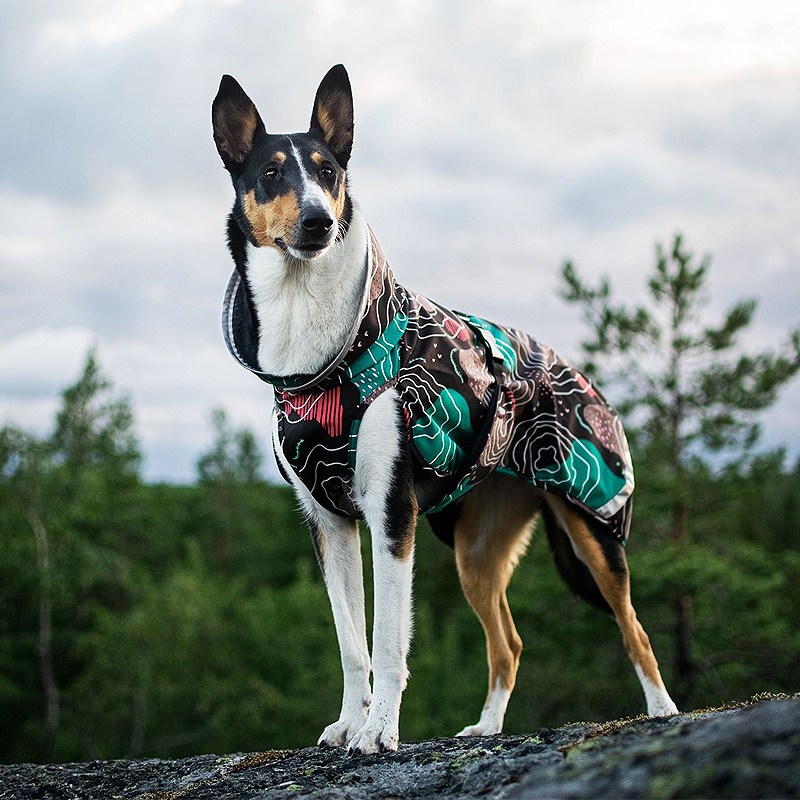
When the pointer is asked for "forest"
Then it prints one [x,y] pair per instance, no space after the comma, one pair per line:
[156,620]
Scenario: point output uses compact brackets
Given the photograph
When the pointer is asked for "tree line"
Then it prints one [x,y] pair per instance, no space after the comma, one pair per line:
[143,619]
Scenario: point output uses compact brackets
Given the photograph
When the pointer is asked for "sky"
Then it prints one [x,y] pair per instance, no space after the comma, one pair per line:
[493,140]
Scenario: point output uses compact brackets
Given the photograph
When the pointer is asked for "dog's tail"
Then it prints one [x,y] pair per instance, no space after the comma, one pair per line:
[572,570]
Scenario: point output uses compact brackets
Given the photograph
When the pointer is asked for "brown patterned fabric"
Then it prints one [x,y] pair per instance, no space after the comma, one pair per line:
[477,397]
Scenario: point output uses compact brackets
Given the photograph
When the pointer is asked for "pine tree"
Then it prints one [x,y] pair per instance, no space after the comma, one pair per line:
[93,429]
[80,472]
[234,457]
[690,390]
[227,472]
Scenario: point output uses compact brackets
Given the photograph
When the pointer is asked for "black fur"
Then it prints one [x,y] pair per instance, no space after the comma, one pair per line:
[335,96]
[443,523]
[347,216]
[251,156]
[257,170]
[236,244]
[572,570]
[401,504]
[237,125]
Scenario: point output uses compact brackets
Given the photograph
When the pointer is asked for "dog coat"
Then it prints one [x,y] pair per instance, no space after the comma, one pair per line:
[476,397]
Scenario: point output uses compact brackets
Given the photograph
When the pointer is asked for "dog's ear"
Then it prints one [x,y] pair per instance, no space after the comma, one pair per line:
[236,122]
[333,113]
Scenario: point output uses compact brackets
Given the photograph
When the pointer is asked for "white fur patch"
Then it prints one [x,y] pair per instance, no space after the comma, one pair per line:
[659,703]
[310,190]
[376,456]
[494,711]
[306,309]
[344,580]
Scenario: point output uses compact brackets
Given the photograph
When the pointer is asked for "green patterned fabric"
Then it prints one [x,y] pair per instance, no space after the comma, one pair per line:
[381,362]
[443,435]
[477,397]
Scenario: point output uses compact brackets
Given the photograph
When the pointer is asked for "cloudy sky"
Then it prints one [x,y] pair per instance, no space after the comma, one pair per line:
[493,139]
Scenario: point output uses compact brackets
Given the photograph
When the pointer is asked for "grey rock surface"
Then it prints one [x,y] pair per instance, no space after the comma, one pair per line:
[753,751]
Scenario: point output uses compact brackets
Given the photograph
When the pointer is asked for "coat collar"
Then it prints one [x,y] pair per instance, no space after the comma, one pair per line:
[241,333]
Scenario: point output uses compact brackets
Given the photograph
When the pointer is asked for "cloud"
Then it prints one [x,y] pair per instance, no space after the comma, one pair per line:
[759,133]
[129,262]
[171,387]
[492,141]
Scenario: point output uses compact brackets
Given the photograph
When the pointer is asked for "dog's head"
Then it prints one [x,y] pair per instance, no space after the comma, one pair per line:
[291,189]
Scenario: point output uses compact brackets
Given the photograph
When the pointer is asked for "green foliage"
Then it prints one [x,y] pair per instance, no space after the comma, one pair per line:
[93,430]
[687,384]
[192,619]
[692,393]
[234,457]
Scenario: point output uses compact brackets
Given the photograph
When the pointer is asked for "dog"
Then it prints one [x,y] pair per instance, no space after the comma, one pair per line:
[388,406]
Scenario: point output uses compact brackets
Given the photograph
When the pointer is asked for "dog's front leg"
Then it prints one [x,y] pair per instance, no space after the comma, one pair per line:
[338,548]
[384,489]
[339,552]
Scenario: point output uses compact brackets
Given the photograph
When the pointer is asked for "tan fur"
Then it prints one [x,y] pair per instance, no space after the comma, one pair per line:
[615,589]
[490,537]
[279,157]
[406,545]
[326,123]
[337,203]
[334,136]
[234,129]
[273,220]
[337,200]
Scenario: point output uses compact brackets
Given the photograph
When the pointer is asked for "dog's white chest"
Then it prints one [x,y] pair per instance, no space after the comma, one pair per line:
[307,309]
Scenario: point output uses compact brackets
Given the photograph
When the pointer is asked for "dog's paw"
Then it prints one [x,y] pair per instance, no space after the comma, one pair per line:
[661,707]
[480,729]
[374,737]
[339,733]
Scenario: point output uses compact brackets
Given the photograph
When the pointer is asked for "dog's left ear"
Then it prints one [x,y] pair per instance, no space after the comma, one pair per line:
[333,113]
[236,123]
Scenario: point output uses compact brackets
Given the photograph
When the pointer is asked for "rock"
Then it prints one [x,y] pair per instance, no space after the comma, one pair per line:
[751,751]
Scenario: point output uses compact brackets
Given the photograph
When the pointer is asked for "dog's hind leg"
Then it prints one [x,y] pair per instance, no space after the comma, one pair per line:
[338,549]
[608,567]
[385,494]
[491,533]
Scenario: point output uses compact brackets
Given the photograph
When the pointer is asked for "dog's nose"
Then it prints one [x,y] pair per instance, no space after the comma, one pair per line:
[317,221]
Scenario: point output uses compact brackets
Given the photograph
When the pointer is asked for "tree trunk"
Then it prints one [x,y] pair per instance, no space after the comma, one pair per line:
[139,722]
[685,667]
[46,634]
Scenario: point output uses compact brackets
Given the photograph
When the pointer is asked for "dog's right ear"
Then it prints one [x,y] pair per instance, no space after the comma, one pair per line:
[332,116]
[236,123]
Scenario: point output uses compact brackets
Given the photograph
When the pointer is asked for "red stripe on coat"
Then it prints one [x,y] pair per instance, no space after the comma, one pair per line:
[326,409]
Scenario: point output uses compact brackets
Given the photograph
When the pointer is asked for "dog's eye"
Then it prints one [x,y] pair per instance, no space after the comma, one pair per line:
[326,171]
[271,173]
